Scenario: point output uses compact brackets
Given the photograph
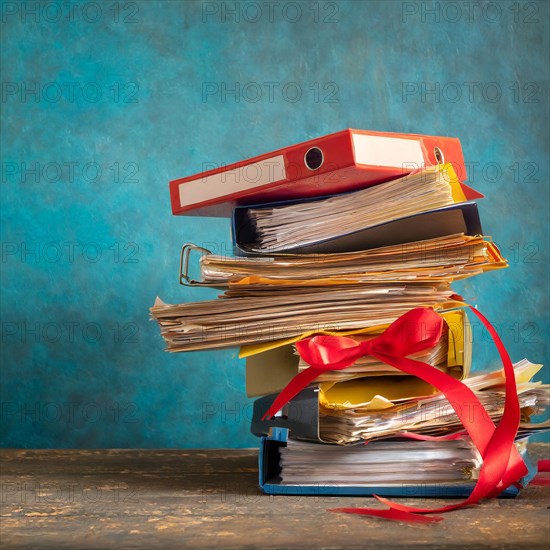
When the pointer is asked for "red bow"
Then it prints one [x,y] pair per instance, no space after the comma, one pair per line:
[417,330]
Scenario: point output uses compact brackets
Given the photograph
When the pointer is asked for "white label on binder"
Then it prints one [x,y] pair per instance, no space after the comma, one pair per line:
[247,176]
[386,151]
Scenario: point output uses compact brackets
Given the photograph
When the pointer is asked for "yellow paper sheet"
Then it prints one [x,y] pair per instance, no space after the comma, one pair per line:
[373,393]
[456,189]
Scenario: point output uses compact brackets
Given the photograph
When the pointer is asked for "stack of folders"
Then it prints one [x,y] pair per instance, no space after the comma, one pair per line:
[341,236]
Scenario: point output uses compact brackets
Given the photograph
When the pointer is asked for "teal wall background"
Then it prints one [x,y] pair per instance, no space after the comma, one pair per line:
[105,102]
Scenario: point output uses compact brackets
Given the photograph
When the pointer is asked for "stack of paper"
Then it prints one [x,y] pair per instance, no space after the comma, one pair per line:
[274,315]
[380,463]
[290,226]
[349,414]
[345,269]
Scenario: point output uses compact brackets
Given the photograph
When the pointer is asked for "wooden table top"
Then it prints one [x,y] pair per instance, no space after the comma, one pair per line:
[210,499]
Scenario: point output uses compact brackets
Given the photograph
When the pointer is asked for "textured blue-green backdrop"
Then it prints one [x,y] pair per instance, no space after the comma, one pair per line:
[104,102]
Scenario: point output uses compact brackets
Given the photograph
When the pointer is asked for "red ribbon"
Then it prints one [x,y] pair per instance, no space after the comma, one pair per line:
[415,331]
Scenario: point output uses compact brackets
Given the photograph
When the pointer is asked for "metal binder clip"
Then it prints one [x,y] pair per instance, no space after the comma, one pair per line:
[184,265]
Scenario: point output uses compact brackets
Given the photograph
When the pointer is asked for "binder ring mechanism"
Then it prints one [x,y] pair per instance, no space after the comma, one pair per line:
[185,255]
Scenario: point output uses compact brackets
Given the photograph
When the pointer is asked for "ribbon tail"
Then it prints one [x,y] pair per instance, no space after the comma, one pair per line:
[502,458]
[390,513]
[415,510]
[295,386]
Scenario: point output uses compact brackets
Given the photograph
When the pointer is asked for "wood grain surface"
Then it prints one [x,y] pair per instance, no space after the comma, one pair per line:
[210,499]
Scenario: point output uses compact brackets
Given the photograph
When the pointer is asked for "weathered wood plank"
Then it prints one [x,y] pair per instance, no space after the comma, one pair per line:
[210,499]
